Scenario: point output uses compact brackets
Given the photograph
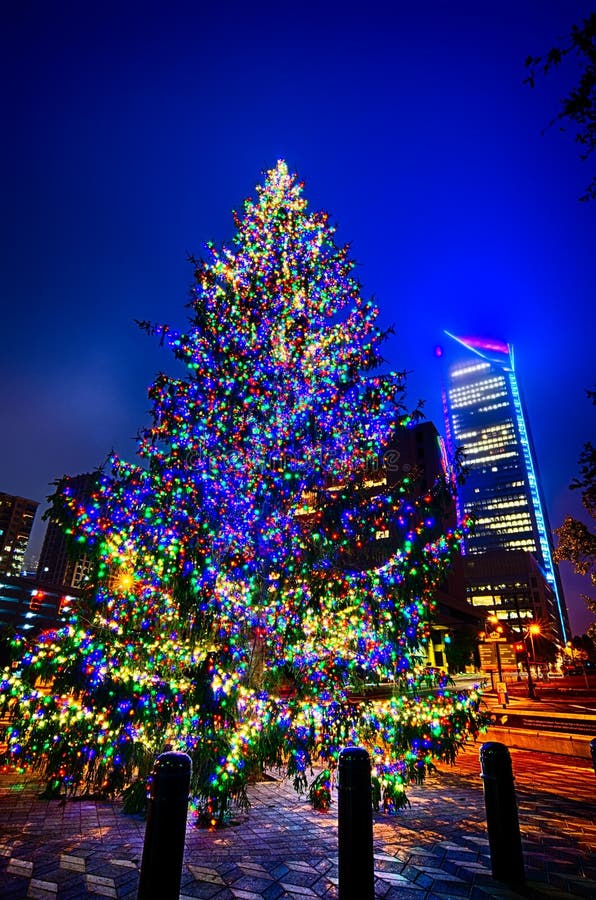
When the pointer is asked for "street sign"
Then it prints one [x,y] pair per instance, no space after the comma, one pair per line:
[488,656]
[508,660]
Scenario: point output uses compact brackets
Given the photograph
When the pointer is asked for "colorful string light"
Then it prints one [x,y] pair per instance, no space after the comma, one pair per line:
[235,614]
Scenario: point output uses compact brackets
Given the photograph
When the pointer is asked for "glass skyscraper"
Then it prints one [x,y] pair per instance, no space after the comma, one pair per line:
[485,417]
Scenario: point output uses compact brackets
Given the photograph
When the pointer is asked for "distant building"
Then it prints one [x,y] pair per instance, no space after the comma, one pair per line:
[422,455]
[58,565]
[27,608]
[16,521]
[414,458]
[484,416]
[417,453]
[511,586]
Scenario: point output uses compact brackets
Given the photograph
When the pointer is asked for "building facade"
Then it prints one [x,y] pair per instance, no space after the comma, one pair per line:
[58,565]
[32,603]
[484,416]
[410,464]
[511,586]
[16,520]
[418,453]
[27,608]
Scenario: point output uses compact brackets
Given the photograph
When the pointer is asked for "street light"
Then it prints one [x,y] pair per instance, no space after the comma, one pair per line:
[533,629]
[521,648]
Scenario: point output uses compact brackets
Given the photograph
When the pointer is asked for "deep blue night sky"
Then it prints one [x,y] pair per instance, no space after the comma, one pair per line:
[132,130]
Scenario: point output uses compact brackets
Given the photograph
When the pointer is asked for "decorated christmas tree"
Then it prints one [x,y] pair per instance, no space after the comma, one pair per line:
[235,612]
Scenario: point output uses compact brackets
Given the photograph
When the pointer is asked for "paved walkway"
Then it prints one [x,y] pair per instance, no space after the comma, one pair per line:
[436,849]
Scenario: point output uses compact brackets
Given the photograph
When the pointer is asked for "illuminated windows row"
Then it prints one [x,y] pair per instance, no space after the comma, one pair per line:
[506,503]
[490,442]
[520,544]
[501,588]
[471,399]
[503,429]
[493,503]
[498,491]
[493,406]
[511,454]
[467,370]
[520,611]
[517,519]
[526,544]
[481,391]
[478,387]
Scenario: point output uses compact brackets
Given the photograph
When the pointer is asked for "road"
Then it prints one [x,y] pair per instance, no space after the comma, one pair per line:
[564,695]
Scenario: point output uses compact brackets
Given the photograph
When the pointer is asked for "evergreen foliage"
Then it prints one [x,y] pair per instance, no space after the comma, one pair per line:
[577,540]
[232,615]
[578,108]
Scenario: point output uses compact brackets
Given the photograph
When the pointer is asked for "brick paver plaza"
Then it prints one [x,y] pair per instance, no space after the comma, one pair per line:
[437,848]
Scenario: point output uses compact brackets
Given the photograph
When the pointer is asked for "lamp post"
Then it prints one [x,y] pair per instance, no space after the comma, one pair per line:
[531,688]
[520,647]
[533,629]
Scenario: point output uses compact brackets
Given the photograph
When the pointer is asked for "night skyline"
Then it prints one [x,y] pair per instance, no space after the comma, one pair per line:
[134,134]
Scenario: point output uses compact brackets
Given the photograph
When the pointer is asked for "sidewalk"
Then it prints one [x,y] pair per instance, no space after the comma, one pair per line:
[558,725]
[283,849]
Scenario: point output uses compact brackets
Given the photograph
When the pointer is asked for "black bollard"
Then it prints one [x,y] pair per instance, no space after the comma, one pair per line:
[163,849]
[506,858]
[593,752]
[355,829]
